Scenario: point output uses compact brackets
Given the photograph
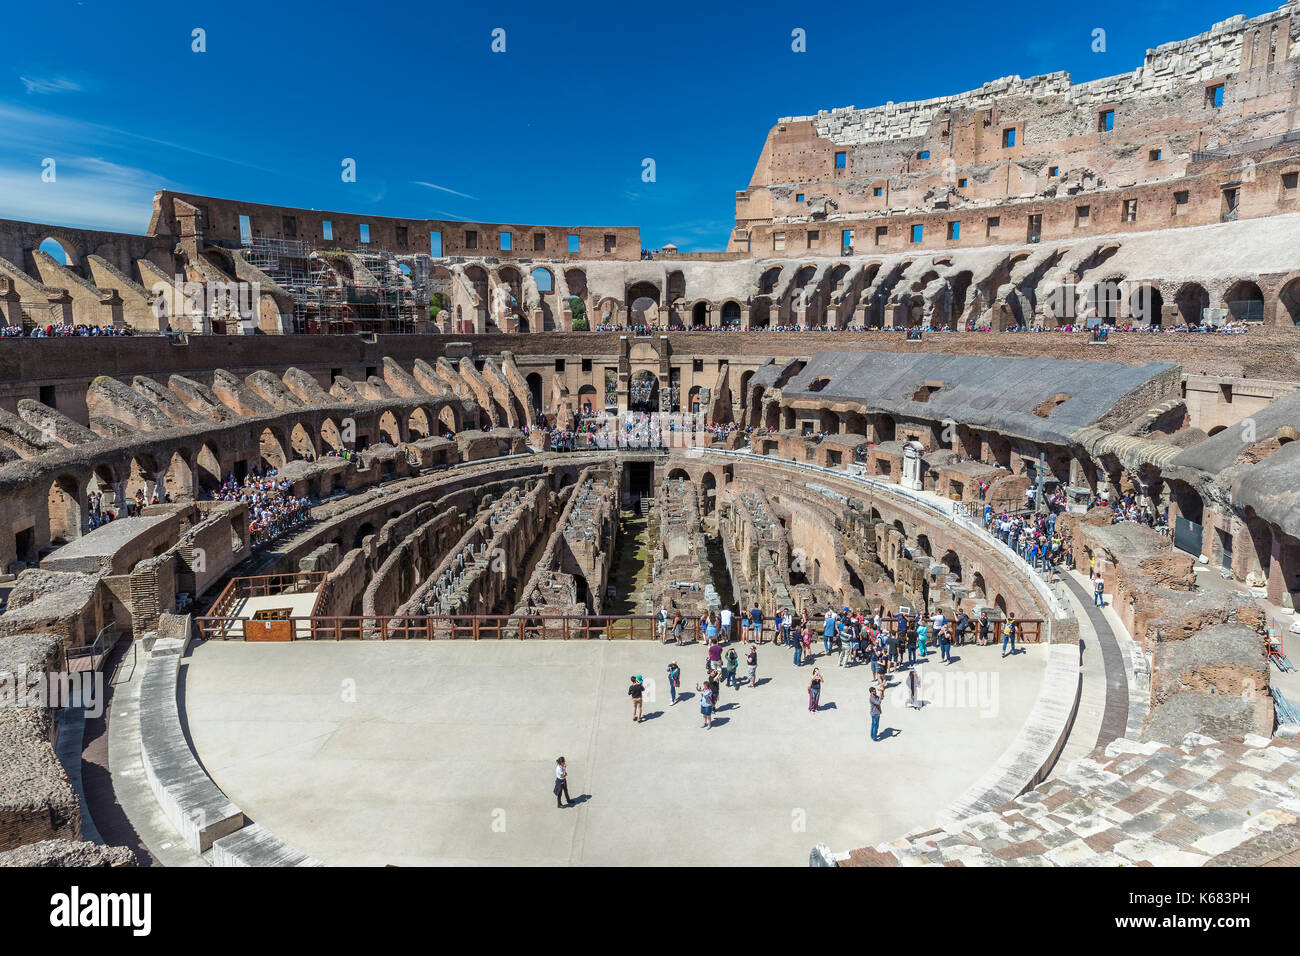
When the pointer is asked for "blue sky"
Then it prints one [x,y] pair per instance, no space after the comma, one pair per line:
[552,131]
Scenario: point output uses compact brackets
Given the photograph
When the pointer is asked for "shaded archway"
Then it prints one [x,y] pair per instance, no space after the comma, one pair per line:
[1245,302]
[1289,302]
[643,392]
[64,503]
[389,429]
[534,381]
[270,449]
[1192,300]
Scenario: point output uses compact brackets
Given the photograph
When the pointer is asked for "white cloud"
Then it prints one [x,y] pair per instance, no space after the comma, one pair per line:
[87,193]
[442,188]
[44,86]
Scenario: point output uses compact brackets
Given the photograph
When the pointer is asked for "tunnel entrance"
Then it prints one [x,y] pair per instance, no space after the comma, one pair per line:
[640,479]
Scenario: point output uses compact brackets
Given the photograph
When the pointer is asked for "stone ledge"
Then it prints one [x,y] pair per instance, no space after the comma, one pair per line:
[189,799]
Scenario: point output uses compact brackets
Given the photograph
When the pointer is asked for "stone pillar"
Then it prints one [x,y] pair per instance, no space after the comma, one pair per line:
[912,465]
[1276,578]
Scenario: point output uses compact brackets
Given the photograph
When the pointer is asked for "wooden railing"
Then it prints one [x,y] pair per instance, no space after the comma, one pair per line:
[261,585]
[441,627]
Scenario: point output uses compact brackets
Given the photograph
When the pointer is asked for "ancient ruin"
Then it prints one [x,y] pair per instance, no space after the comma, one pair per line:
[477,444]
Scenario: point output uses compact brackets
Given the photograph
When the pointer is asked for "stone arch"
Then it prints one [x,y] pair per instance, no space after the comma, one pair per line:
[700,314]
[178,480]
[390,429]
[1146,304]
[744,388]
[731,312]
[64,509]
[1245,302]
[142,478]
[300,442]
[588,398]
[331,436]
[103,481]
[208,468]
[977,585]
[1289,302]
[952,561]
[270,447]
[544,278]
[534,381]
[760,314]
[448,420]
[417,423]
[1192,300]
[923,545]
[609,310]
[59,249]
[708,492]
[643,392]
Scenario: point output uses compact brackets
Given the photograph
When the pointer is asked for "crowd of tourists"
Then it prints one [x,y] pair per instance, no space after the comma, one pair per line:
[1099,332]
[62,331]
[272,508]
[890,644]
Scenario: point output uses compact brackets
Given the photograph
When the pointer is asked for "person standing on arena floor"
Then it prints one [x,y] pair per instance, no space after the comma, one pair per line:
[635,691]
[562,784]
[726,624]
[875,714]
[815,690]
[751,660]
[674,679]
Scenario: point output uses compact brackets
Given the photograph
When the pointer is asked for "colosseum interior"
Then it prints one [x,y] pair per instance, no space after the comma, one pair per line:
[459,469]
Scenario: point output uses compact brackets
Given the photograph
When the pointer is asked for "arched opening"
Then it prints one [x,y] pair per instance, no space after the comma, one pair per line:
[389,429]
[760,314]
[1289,300]
[54,249]
[700,315]
[953,563]
[978,587]
[587,400]
[643,303]
[365,531]
[643,392]
[1146,305]
[1245,302]
[208,471]
[545,281]
[331,437]
[730,314]
[885,428]
[709,489]
[141,481]
[104,486]
[534,381]
[270,450]
[178,481]
[923,545]
[447,422]
[1192,300]
[64,510]
[301,444]
[417,423]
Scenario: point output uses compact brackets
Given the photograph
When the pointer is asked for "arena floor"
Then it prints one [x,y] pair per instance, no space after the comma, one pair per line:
[442,753]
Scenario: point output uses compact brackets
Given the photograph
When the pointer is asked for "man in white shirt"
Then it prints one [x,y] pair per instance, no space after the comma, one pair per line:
[726,624]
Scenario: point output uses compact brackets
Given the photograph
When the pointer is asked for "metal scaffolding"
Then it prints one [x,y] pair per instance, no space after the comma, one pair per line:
[340,291]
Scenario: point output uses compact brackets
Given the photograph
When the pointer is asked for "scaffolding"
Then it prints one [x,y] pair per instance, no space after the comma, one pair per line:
[340,291]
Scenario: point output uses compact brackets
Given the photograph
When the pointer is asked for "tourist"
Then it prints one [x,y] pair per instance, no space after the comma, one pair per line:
[1099,592]
[875,714]
[705,691]
[984,628]
[726,625]
[806,639]
[922,635]
[635,692]
[751,661]
[715,684]
[798,652]
[674,679]
[815,690]
[913,688]
[1009,634]
[679,626]
[756,622]
[945,646]
[562,784]
[661,625]
[787,622]
[828,630]
[733,664]
[963,625]
[715,655]
[711,629]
